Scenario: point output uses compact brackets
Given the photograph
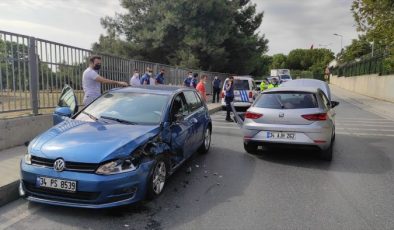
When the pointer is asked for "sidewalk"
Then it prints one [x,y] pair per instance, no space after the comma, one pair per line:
[381,108]
[9,167]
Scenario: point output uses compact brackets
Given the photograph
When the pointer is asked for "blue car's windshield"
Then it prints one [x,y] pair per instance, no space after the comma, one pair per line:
[127,108]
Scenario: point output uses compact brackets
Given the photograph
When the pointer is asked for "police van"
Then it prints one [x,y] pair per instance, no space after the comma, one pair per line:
[245,91]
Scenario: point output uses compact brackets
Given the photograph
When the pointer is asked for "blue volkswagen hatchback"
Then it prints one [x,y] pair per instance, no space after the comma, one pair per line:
[118,150]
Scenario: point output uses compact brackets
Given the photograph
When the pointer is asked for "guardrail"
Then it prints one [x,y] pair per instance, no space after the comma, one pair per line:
[33,71]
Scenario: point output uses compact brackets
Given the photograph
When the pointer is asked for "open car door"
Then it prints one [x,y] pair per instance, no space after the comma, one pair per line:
[67,105]
[238,117]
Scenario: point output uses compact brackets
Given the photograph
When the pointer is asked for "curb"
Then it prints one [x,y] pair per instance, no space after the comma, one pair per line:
[9,193]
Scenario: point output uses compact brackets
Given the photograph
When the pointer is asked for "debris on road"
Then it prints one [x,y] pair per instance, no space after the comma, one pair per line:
[189,170]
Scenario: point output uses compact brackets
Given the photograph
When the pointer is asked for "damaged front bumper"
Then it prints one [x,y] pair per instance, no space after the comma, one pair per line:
[93,191]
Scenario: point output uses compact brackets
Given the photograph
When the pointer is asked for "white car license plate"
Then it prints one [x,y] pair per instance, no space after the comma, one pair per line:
[281,135]
[66,185]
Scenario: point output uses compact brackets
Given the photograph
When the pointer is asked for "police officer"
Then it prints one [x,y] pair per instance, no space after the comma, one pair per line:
[274,83]
[216,89]
[263,85]
[229,96]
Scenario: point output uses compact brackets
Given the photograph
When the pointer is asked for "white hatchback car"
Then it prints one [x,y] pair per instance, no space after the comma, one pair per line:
[291,117]
[245,92]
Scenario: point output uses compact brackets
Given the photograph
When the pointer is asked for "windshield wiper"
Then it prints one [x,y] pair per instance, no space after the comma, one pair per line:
[90,116]
[280,103]
[118,120]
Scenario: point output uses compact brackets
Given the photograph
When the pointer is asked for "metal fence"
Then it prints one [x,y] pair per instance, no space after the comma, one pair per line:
[33,71]
[367,64]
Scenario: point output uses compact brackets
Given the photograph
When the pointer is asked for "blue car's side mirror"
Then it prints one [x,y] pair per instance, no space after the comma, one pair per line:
[60,114]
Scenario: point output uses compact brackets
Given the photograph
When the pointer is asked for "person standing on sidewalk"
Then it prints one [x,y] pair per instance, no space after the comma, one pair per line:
[91,80]
[145,79]
[135,79]
[201,87]
[229,96]
[160,78]
[216,89]
[188,80]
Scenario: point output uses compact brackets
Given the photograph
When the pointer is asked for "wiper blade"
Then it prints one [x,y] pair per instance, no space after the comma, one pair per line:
[118,120]
[90,116]
[280,103]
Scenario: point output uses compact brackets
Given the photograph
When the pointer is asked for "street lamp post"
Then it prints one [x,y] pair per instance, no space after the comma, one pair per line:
[341,39]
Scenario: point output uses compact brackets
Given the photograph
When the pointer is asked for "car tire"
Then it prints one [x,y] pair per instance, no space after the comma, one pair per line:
[326,154]
[206,144]
[250,148]
[158,178]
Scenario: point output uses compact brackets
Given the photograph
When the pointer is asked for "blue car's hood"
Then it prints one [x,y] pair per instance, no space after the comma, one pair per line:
[90,142]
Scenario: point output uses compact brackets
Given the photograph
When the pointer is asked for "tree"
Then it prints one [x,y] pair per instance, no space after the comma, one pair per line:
[359,47]
[279,61]
[375,18]
[207,34]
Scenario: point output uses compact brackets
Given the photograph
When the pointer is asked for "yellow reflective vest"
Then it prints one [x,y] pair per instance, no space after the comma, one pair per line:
[263,86]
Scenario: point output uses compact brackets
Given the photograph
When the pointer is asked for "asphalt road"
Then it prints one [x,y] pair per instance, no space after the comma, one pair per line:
[230,189]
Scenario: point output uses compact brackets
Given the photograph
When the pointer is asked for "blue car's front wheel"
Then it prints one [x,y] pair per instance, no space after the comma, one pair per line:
[158,178]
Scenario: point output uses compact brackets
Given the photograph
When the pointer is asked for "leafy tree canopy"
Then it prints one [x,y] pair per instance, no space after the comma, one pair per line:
[208,34]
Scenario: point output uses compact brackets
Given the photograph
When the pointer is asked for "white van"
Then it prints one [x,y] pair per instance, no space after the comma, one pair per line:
[245,91]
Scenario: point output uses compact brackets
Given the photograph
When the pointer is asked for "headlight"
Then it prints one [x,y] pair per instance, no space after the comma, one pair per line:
[28,158]
[117,166]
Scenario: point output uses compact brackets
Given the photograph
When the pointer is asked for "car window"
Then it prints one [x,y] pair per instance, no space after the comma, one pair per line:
[67,99]
[326,102]
[192,101]
[179,106]
[287,100]
[241,84]
[137,108]
[199,101]
[286,77]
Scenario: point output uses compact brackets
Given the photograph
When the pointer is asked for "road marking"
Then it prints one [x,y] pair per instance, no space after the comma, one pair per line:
[366,134]
[362,119]
[365,129]
[369,122]
[366,125]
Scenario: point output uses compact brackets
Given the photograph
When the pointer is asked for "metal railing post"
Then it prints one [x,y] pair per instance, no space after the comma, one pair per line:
[33,72]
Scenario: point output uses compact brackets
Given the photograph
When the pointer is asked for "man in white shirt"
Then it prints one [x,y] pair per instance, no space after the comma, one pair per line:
[91,80]
[135,79]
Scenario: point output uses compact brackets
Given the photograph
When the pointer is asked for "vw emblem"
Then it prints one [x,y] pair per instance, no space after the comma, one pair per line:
[59,165]
[281,115]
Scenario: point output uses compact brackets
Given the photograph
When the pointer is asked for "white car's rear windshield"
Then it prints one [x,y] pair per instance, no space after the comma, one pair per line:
[240,84]
[287,100]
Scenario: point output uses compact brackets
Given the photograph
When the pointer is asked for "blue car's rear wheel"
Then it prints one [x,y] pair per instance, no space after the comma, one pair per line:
[158,178]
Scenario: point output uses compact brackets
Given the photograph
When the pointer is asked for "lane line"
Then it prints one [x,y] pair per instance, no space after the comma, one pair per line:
[366,134]
[366,125]
[364,129]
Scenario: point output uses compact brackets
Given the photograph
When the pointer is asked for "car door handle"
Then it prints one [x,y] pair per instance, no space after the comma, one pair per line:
[194,120]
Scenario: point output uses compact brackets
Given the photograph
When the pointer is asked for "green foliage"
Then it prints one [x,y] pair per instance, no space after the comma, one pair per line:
[376,19]
[279,61]
[208,34]
[304,63]
[359,47]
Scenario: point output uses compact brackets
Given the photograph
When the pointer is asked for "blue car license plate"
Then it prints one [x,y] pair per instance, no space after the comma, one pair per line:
[53,183]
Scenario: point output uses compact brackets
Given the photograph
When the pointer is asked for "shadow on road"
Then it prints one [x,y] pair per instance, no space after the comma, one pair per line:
[188,195]
[351,154]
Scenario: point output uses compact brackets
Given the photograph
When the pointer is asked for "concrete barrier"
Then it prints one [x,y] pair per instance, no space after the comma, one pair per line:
[379,87]
[17,131]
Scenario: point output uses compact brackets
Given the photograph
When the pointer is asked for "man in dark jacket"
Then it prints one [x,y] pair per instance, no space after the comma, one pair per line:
[216,89]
